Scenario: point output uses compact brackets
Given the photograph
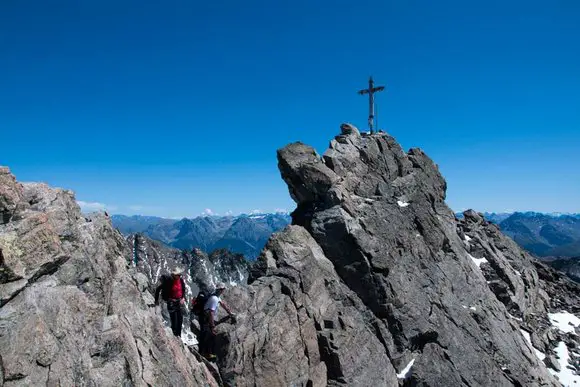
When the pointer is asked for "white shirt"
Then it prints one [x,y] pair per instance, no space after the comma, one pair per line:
[212,303]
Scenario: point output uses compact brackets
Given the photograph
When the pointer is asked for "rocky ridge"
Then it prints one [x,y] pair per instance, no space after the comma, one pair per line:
[378,283]
[71,312]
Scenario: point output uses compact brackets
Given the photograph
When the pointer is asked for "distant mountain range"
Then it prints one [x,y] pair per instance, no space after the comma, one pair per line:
[244,234]
[545,235]
[552,237]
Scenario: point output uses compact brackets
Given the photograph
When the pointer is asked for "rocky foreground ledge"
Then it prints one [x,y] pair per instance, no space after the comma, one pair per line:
[71,313]
[377,283]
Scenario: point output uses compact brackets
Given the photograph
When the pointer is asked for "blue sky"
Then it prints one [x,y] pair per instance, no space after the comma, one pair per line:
[171,108]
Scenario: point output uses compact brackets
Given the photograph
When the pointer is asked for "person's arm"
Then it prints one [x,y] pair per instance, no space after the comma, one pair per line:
[226,307]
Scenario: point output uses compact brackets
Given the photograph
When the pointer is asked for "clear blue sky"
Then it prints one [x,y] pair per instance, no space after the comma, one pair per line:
[169,108]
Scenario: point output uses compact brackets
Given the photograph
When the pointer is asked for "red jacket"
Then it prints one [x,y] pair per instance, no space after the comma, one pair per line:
[165,288]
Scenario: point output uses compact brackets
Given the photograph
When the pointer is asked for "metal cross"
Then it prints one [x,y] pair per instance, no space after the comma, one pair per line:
[371,92]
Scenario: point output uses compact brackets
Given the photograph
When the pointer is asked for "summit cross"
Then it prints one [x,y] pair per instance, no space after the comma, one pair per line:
[371,92]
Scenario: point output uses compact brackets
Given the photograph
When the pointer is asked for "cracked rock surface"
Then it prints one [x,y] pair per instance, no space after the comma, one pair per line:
[71,313]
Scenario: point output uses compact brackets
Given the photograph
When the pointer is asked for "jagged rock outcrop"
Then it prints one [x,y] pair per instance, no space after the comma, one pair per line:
[71,313]
[450,302]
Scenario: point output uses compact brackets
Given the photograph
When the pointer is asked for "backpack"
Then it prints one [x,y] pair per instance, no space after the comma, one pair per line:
[199,302]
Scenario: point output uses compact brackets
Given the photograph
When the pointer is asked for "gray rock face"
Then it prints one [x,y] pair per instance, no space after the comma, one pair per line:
[394,288]
[71,313]
[299,317]
[349,129]
[10,194]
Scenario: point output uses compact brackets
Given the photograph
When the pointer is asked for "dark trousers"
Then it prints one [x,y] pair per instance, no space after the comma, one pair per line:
[176,316]
[206,340]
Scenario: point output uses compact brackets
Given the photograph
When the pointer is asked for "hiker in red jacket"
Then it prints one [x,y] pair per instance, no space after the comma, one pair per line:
[172,289]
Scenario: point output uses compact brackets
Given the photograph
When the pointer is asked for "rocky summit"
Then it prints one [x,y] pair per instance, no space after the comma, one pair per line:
[375,283]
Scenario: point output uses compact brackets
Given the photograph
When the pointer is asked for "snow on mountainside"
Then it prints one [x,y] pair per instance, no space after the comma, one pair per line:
[244,234]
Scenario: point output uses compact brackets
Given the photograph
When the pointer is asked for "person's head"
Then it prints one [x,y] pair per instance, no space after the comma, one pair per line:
[220,287]
[176,273]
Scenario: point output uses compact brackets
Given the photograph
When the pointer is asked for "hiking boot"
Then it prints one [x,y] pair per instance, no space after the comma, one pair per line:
[211,357]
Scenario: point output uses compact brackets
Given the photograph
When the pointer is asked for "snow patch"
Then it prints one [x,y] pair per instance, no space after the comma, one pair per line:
[477,261]
[189,292]
[518,273]
[566,375]
[406,372]
[539,354]
[402,204]
[564,321]
[157,274]
[472,308]
[467,238]
[188,338]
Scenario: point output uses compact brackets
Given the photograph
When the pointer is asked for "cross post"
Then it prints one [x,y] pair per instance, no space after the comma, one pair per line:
[371,92]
